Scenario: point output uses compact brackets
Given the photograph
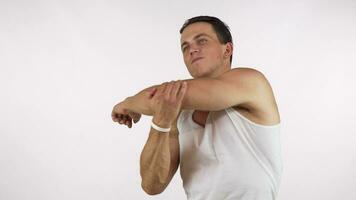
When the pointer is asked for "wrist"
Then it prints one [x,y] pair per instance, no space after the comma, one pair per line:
[127,103]
[159,128]
[161,122]
[138,104]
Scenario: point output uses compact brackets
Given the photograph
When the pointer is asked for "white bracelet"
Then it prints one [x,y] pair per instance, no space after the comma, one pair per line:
[160,128]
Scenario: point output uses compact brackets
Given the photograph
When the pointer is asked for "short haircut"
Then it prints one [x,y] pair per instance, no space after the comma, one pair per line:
[221,29]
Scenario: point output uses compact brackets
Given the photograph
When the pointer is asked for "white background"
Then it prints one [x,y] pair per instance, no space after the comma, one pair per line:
[65,64]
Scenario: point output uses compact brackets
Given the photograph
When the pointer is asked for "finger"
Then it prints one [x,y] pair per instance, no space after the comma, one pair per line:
[126,119]
[125,122]
[167,92]
[164,89]
[136,119]
[175,88]
[129,124]
[123,119]
[113,115]
[115,118]
[182,91]
[135,116]
[119,117]
[161,89]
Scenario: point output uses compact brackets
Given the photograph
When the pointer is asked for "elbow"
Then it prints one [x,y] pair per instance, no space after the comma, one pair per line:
[152,189]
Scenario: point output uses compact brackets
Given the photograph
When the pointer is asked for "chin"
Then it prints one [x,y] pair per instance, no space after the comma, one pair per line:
[199,69]
[201,74]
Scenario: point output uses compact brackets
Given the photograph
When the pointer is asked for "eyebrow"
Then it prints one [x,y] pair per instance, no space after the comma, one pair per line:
[196,37]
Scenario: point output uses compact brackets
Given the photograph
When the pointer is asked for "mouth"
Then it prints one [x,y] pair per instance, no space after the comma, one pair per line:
[195,59]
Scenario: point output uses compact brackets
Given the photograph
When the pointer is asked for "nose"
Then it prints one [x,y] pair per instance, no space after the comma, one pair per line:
[193,50]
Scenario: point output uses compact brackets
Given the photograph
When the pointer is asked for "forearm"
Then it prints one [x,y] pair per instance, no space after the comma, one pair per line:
[160,156]
[155,162]
[140,102]
[202,94]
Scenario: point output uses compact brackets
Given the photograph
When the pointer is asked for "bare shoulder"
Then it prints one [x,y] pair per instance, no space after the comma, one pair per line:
[248,78]
[264,109]
[250,81]
[244,72]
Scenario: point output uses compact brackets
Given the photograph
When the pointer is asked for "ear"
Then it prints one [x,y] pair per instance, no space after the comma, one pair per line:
[228,50]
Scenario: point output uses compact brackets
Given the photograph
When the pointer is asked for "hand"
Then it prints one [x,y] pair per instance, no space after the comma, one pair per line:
[166,102]
[122,115]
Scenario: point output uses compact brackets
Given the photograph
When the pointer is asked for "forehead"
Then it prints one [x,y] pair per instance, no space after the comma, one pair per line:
[195,29]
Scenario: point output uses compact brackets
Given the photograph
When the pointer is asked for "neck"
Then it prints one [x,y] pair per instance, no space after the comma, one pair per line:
[220,70]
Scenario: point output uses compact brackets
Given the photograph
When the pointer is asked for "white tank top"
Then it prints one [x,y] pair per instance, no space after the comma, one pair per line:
[232,158]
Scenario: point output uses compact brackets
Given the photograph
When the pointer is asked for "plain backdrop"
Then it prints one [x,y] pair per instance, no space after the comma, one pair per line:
[65,64]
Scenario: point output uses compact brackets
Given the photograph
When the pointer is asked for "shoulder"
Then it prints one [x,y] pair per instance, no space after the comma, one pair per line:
[251,79]
[262,102]
[244,73]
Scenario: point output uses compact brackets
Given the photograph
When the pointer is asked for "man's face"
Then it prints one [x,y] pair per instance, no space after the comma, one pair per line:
[202,52]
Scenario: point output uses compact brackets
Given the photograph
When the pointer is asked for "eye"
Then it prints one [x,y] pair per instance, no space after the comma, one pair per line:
[202,41]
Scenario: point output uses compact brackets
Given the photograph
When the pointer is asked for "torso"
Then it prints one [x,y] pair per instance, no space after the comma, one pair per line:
[270,118]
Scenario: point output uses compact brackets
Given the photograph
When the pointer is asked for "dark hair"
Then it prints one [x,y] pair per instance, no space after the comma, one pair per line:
[221,29]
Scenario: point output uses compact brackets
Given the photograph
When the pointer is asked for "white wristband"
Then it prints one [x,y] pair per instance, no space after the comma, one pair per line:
[160,128]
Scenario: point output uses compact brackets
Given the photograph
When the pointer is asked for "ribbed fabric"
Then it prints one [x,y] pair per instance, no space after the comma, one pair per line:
[231,158]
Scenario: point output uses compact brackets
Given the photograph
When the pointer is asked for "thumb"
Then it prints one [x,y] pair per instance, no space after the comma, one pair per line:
[135,116]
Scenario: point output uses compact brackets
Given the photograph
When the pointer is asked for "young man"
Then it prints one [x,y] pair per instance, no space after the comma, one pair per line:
[224,123]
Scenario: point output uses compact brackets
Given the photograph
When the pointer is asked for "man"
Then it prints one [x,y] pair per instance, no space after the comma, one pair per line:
[224,123]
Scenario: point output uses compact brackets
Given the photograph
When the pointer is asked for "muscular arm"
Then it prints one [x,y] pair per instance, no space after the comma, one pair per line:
[238,86]
[159,159]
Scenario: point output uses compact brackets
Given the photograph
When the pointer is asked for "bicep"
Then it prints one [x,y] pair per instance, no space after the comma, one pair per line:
[230,89]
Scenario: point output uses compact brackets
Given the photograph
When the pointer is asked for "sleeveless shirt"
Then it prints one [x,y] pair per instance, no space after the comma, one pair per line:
[231,158]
